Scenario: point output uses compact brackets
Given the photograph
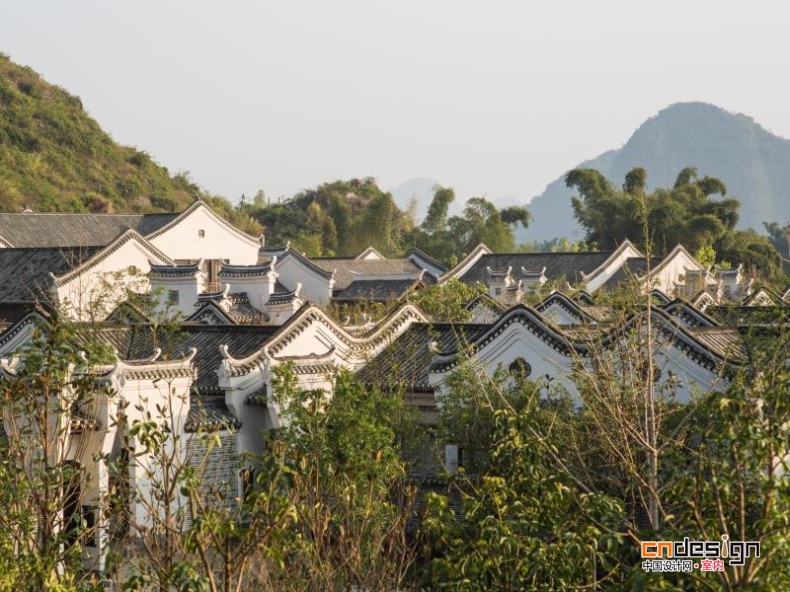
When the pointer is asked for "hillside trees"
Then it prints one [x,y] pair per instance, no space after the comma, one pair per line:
[349,484]
[448,239]
[686,214]
[341,218]
[54,157]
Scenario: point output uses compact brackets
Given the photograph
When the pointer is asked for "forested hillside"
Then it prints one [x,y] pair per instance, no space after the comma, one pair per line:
[55,157]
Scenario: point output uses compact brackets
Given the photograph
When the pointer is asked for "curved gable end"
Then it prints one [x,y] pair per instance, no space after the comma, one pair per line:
[689,358]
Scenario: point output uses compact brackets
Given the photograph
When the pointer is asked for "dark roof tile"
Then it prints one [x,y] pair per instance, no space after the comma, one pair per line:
[406,361]
[382,290]
[39,229]
[242,341]
[348,270]
[25,273]
[559,266]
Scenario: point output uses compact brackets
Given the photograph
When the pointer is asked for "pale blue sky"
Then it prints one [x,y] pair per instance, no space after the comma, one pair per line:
[495,98]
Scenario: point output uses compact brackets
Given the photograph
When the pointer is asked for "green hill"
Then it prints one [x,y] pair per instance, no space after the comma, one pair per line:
[752,162]
[55,157]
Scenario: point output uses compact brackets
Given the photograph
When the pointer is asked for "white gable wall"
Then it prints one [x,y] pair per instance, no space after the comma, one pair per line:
[601,275]
[672,268]
[96,290]
[559,315]
[515,341]
[182,240]
[316,288]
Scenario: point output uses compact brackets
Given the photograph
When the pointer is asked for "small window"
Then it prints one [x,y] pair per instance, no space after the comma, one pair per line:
[498,291]
[172,297]
[201,233]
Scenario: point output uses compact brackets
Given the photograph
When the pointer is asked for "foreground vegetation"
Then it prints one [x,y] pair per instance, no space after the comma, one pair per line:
[551,495]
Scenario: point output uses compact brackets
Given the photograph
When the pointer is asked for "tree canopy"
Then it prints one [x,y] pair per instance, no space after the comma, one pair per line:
[695,213]
[481,222]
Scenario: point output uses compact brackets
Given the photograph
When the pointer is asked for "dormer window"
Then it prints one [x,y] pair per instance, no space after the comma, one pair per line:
[201,233]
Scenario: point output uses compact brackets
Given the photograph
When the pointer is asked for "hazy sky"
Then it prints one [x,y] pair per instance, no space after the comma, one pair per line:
[494,98]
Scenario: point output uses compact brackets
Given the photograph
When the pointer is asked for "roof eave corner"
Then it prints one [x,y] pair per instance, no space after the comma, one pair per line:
[467,262]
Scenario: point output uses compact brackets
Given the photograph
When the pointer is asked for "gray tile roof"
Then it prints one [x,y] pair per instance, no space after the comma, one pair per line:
[25,273]
[210,414]
[734,316]
[559,266]
[634,267]
[242,341]
[405,362]
[187,270]
[282,297]
[40,229]
[382,290]
[237,271]
[727,343]
[240,309]
[347,270]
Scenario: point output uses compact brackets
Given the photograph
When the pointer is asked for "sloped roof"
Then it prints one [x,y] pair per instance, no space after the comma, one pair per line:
[44,229]
[563,266]
[713,347]
[724,342]
[210,414]
[689,314]
[242,341]
[734,316]
[405,362]
[240,310]
[348,270]
[26,273]
[567,304]
[633,268]
[382,290]
[175,271]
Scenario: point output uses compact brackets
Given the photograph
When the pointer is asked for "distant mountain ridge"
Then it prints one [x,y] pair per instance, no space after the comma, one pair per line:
[753,163]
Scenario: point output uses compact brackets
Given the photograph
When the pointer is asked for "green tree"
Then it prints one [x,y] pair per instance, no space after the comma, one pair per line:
[352,497]
[689,214]
[436,219]
[524,525]
[483,223]
[446,303]
[434,236]
[43,532]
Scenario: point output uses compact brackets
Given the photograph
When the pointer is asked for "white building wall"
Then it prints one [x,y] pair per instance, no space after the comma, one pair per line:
[258,288]
[315,288]
[184,240]
[188,289]
[612,265]
[516,340]
[559,315]
[672,269]
[96,291]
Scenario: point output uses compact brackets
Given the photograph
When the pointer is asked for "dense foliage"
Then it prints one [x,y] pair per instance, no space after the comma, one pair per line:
[345,217]
[449,239]
[551,495]
[688,214]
